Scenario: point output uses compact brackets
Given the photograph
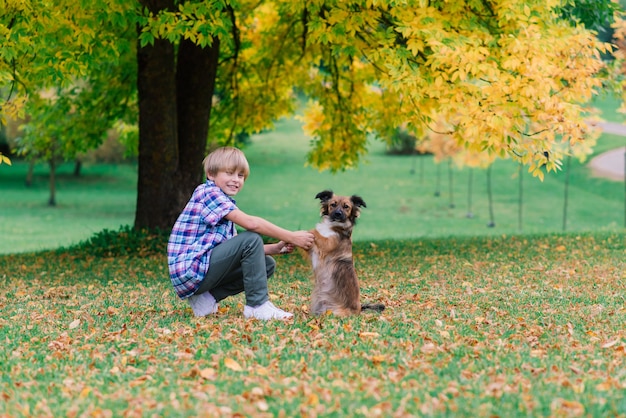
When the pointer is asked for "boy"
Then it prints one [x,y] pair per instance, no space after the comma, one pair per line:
[208,261]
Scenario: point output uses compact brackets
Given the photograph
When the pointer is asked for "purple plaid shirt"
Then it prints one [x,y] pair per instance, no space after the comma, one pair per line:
[199,228]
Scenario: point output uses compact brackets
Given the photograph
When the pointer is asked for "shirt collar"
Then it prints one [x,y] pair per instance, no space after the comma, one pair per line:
[211,183]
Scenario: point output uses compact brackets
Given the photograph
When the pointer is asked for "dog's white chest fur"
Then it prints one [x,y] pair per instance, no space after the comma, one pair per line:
[325,230]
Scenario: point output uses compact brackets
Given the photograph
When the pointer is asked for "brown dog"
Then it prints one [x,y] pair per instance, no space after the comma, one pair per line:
[336,287]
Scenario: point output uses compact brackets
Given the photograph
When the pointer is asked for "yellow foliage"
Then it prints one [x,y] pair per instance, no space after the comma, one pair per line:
[4,159]
[505,78]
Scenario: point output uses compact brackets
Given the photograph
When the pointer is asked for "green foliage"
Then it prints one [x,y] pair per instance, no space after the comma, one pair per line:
[72,95]
[127,241]
[454,61]
[593,14]
[504,326]
[402,143]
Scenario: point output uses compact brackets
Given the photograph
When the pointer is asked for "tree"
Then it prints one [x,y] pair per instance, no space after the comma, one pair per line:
[218,69]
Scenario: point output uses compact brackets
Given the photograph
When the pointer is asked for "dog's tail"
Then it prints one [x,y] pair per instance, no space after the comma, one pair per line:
[378,307]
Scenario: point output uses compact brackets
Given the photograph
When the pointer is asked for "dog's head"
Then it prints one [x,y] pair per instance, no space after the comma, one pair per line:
[340,208]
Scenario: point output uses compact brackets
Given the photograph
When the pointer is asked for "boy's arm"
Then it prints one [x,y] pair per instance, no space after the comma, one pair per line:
[261,226]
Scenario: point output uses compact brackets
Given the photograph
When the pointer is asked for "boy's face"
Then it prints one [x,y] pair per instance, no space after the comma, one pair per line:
[230,181]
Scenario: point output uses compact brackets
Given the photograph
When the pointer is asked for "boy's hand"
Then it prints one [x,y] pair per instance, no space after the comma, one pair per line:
[287,249]
[303,239]
[280,247]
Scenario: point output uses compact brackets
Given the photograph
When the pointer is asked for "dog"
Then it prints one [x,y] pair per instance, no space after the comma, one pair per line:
[336,285]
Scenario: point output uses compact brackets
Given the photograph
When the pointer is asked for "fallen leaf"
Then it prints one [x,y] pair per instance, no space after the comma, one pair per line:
[262,405]
[378,358]
[232,364]
[208,373]
[610,344]
[604,386]
[75,323]
[570,408]
[428,348]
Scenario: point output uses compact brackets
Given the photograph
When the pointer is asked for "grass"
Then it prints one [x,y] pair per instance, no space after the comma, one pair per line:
[103,197]
[479,321]
[407,197]
[474,326]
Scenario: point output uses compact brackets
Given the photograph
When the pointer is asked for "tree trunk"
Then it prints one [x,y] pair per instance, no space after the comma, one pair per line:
[78,164]
[158,148]
[52,201]
[174,108]
[30,173]
[195,83]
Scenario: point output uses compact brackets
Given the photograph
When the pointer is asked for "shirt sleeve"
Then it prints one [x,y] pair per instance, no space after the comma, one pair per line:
[216,205]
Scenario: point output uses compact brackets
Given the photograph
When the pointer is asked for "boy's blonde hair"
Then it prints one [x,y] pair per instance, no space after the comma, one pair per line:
[226,159]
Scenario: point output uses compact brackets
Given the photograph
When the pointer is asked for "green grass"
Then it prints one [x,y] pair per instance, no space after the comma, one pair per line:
[487,326]
[103,197]
[399,192]
[479,321]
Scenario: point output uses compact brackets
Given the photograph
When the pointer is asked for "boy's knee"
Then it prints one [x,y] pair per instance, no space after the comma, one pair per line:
[270,265]
[252,240]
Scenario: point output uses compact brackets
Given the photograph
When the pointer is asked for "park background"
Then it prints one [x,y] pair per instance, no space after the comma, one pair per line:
[523,318]
[407,196]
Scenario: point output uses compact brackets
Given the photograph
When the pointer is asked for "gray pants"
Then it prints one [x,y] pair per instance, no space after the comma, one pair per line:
[239,265]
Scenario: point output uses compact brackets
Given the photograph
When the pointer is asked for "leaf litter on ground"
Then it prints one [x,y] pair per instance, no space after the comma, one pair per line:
[473,326]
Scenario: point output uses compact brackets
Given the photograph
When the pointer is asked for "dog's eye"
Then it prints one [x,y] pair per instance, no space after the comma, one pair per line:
[346,206]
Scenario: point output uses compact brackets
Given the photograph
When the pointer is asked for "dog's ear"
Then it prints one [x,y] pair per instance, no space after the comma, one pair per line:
[325,195]
[358,201]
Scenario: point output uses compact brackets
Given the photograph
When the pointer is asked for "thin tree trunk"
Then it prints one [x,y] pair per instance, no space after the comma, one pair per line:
[450,183]
[492,221]
[520,225]
[78,164]
[30,173]
[470,214]
[565,198]
[52,201]
[438,181]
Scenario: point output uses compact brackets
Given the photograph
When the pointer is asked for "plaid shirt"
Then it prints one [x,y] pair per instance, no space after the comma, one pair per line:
[199,228]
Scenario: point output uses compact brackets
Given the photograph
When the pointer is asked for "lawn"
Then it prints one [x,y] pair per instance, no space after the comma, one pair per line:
[407,196]
[486,326]
[519,319]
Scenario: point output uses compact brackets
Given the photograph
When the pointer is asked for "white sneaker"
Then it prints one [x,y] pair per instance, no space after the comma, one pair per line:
[266,312]
[203,304]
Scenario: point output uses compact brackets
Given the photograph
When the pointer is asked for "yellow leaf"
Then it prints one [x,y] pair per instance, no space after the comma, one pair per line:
[262,405]
[378,358]
[138,381]
[232,364]
[605,386]
[610,344]
[208,373]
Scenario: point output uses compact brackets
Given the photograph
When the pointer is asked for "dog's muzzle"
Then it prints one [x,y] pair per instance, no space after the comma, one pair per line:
[338,216]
